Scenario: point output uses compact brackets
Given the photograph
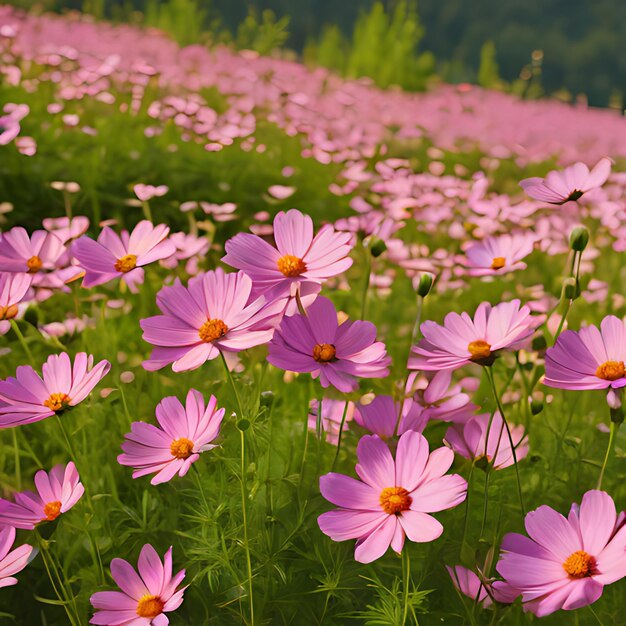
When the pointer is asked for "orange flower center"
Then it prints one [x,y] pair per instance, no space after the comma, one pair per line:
[181,448]
[8,312]
[611,370]
[324,352]
[150,606]
[58,402]
[212,330]
[580,564]
[498,263]
[479,350]
[52,510]
[34,264]
[394,500]
[291,265]
[126,263]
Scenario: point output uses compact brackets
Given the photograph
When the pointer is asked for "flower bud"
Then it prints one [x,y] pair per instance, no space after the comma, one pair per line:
[570,289]
[579,238]
[425,285]
[536,406]
[377,247]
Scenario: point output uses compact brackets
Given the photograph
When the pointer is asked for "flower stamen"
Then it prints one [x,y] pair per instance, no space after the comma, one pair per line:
[58,402]
[150,606]
[291,265]
[212,330]
[34,264]
[611,370]
[324,352]
[182,448]
[126,263]
[52,510]
[394,500]
[479,350]
[579,564]
[498,263]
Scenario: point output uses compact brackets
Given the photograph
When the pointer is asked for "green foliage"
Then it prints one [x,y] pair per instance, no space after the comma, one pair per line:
[262,35]
[488,72]
[182,19]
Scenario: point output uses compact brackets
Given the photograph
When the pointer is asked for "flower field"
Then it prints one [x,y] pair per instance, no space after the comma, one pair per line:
[284,348]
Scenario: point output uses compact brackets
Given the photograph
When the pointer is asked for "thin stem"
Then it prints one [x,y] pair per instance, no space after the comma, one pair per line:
[343,421]
[562,322]
[508,432]
[366,285]
[146,210]
[299,304]
[198,478]
[609,449]
[485,501]
[23,343]
[16,456]
[467,506]
[68,443]
[245,524]
[406,575]
[232,384]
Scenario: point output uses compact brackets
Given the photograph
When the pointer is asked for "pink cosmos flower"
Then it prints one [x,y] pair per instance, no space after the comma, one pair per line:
[591,358]
[559,187]
[299,261]
[462,340]
[183,434]
[39,255]
[114,256]
[57,492]
[566,561]
[338,354]
[29,398]
[11,562]
[481,591]
[145,597]
[485,438]
[214,314]
[13,289]
[65,228]
[440,398]
[393,499]
[331,417]
[499,255]
[382,414]
[147,192]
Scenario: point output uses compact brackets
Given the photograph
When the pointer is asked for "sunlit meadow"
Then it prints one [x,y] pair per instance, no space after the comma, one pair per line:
[343,355]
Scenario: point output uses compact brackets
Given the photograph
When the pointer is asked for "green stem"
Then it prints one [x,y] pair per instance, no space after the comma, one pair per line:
[366,285]
[343,421]
[485,501]
[467,506]
[245,524]
[198,478]
[23,343]
[16,455]
[146,210]
[508,432]
[609,450]
[406,575]
[231,380]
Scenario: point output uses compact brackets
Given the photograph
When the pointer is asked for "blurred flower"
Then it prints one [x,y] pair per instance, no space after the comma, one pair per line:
[559,187]
[183,433]
[499,255]
[28,398]
[393,498]
[114,256]
[57,492]
[214,314]
[333,412]
[13,289]
[12,562]
[338,354]
[147,192]
[566,561]
[382,414]
[591,358]
[145,597]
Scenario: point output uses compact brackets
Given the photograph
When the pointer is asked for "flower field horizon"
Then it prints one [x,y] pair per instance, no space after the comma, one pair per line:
[281,347]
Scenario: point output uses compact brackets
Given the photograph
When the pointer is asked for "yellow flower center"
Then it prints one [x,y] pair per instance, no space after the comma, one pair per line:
[324,352]
[150,606]
[181,448]
[34,264]
[58,402]
[52,510]
[479,350]
[291,265]
[611,370]
[126,263]
[579,565]
[212,330]
[394,500]
[498,263]
[8,312]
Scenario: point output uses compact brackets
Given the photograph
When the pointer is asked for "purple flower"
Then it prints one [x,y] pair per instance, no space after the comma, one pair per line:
[382,414]
[12,561]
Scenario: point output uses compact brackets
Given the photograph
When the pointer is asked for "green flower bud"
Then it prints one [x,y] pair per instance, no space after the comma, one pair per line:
[377,247]
[425,285]
[579,238]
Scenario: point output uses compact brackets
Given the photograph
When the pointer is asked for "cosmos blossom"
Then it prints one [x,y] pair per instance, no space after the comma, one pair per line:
[462,340]
[332,415]
[13,289]
[299,261]
[382,415]
[122,256]
[590,358]
[566,562]
[29,398]
[170,448]
[482,592]
[338,354]
[11,561]
[393,499]
[145,597]
[57,492]
[215,313]
[571,183]
[484,437]
[498,255]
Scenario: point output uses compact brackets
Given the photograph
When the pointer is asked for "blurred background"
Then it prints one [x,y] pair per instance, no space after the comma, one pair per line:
[534,48]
